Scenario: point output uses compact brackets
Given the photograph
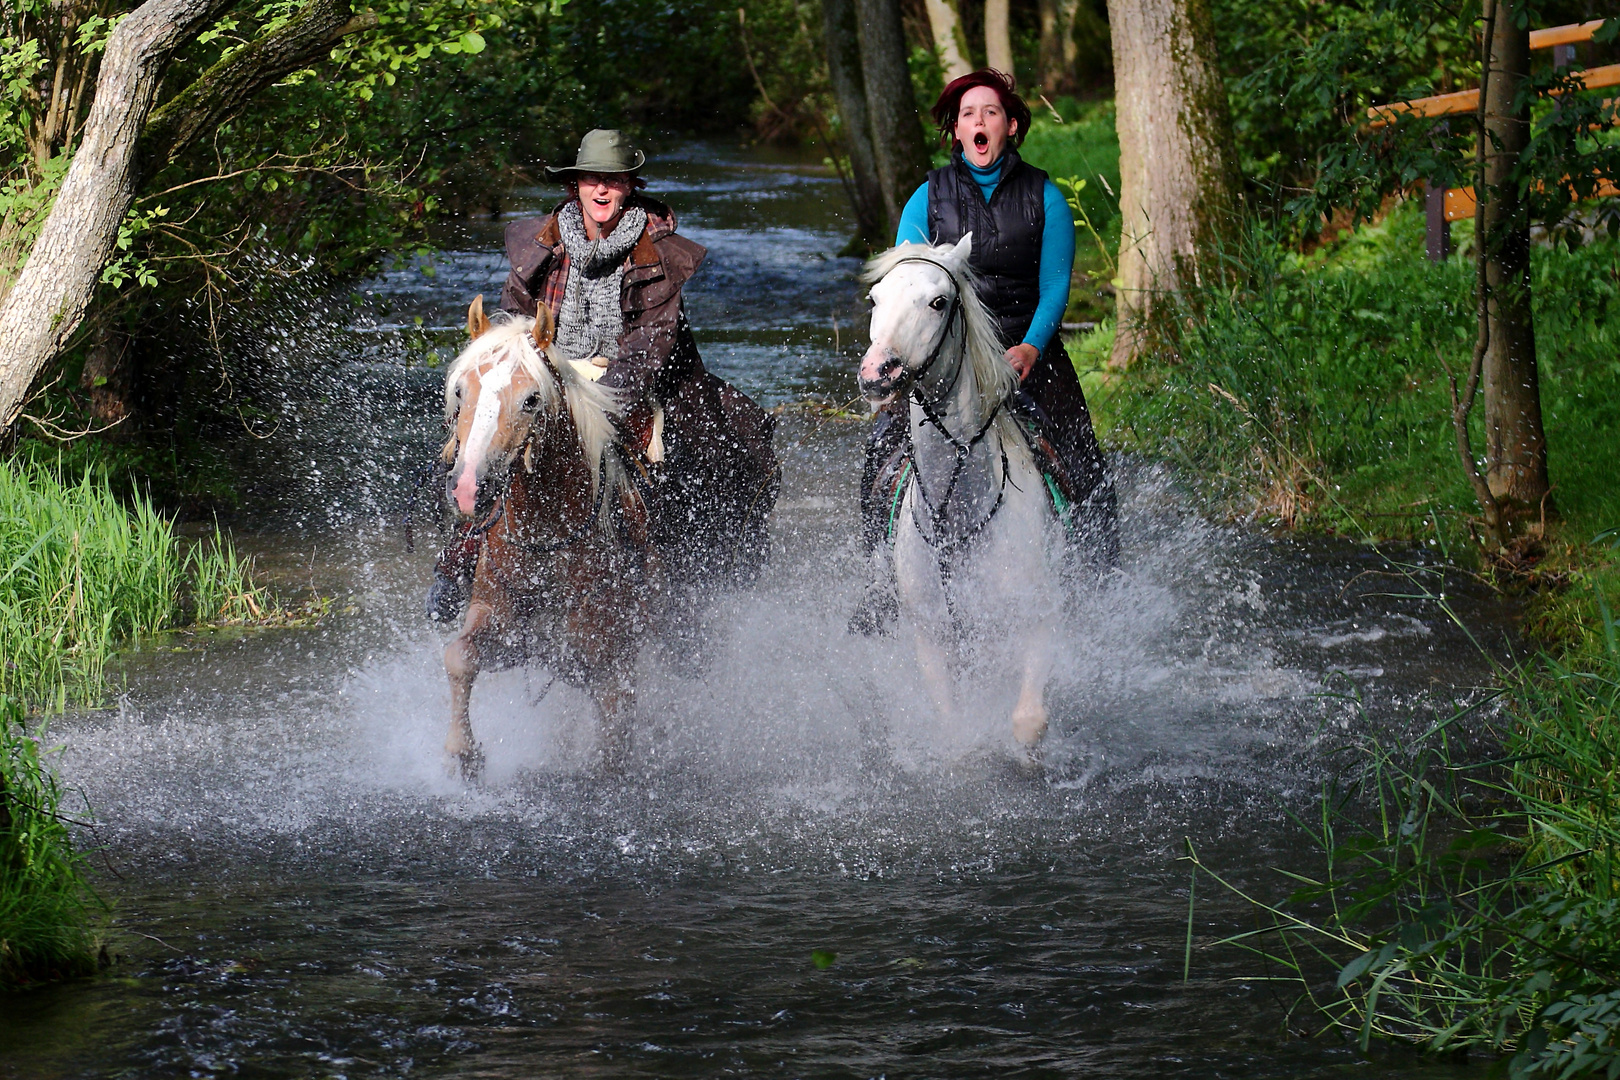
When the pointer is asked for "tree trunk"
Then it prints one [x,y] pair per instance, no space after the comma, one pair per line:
[108,375]
[897,134]
[998,35]
[1067,12]
[1515,445]
[1178,187]
[950,42]
[1057,71]
[226,88]
[49,298]
[842,36]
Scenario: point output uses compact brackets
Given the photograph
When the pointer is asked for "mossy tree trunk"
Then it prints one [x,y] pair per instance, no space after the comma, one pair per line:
[998,35]
[1178,184]
[841,34]
[1057,69]
[950,40]
[898,147]
[1515,443]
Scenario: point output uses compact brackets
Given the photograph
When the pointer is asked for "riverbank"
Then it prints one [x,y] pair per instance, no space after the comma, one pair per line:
[1315,398]
[1477,912]
[82,573]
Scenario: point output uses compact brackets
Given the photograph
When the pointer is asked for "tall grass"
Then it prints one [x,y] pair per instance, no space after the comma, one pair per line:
[1314,392]
[1467,893]
[48,915]
[78,572]
[1464,902]
[81,572]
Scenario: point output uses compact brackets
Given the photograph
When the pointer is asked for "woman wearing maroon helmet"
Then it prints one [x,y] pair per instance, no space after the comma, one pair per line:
[1023,254]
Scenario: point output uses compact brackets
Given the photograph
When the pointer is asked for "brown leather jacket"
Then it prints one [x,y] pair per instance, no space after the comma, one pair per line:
[656,350]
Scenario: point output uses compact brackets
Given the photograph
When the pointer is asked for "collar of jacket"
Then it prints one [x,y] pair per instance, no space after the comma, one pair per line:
[645,263]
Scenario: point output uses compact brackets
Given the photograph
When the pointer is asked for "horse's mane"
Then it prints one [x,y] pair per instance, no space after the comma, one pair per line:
[592,406]
[992,375]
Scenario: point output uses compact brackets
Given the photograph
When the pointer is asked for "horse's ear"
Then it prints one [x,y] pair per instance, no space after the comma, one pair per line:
[544,326]
[963,248]
[477,322]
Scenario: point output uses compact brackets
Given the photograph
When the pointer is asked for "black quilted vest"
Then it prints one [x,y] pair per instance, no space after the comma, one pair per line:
[1006,234]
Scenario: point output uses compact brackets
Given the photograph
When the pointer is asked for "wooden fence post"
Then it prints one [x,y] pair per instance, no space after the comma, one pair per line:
[1438,231]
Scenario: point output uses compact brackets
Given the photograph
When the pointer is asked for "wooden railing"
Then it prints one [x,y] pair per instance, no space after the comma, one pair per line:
[1455,204]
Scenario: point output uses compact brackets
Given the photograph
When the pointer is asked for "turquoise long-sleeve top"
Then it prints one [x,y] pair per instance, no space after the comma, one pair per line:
[1057,247]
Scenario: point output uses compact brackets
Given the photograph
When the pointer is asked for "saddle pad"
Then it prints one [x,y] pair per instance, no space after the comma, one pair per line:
[593,369]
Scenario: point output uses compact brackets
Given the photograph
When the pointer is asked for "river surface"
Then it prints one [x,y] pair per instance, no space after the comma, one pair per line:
[803,872]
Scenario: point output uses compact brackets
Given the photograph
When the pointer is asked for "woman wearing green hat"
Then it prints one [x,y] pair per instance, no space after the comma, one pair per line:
[608,264]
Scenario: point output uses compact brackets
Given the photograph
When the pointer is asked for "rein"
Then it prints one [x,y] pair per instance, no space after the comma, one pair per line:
[963,448]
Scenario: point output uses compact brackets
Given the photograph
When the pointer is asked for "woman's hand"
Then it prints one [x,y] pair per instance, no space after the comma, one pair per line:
[1022,357]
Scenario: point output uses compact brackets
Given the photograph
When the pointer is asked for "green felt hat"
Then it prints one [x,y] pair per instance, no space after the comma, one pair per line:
[603,151]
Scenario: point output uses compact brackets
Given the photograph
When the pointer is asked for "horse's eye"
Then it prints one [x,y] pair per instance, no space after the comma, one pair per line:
[937,303]
[531,403]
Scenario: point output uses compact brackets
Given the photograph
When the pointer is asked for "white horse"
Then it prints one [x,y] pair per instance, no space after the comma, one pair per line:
[975,534]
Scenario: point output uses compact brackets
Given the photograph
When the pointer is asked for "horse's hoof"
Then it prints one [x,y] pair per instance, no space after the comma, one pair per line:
[467,765]
[1029,729]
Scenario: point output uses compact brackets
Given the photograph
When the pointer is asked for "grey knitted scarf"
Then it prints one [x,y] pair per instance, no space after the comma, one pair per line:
[591,318]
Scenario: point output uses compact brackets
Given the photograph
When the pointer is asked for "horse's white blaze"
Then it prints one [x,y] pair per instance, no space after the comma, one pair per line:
[486,422]
[501,352]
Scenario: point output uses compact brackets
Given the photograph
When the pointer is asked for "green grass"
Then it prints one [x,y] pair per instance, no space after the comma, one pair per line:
[49,918]
[1315,393]
[81,572]
[1468,894]
[78,573]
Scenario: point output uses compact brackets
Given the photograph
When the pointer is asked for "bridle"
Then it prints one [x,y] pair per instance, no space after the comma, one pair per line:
[498,511]
[937,510]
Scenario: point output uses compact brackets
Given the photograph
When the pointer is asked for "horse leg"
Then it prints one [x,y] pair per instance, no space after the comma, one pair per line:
[1029,717]
[933,660]
[615,700]
[922,596]
[462,662]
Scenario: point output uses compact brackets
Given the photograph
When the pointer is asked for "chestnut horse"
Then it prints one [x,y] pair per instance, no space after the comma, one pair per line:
[566,576]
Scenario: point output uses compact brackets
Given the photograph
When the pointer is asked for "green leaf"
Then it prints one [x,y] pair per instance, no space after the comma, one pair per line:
[823,958]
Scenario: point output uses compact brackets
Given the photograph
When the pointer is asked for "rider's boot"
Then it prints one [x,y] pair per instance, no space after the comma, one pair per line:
[453,577]
[877,608]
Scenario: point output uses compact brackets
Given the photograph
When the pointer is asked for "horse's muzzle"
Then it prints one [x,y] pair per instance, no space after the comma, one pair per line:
[880,376]
[472,495]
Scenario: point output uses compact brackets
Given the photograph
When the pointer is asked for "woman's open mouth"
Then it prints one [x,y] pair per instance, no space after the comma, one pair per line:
[981,140]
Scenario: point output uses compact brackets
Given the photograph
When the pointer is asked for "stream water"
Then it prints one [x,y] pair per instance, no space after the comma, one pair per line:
[802,874]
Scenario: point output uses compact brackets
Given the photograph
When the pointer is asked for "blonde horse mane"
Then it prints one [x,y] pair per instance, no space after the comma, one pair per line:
[993,377]
[592,406]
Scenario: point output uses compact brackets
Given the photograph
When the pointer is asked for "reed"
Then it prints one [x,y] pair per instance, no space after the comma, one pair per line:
[222,587]
[1468,901]
[78,573]
[49,918]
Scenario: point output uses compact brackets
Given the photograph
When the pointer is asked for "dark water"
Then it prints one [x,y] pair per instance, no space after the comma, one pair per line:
[299,891]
